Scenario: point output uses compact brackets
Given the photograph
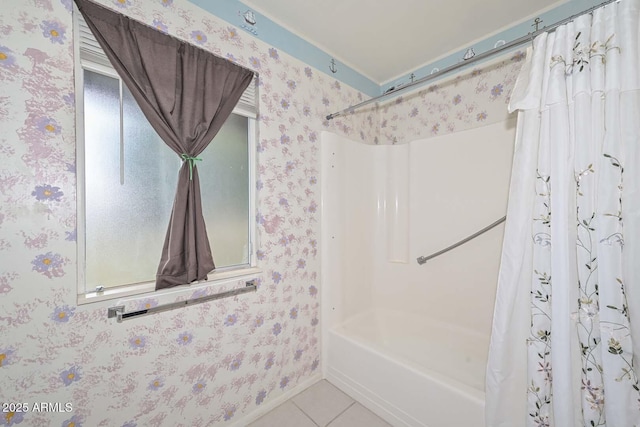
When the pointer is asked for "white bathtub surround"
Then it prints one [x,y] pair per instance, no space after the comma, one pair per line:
[396,204]
[572,246]
[407,341]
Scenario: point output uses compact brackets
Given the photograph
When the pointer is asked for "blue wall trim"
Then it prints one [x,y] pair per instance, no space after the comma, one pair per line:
[280,38]
[548,18]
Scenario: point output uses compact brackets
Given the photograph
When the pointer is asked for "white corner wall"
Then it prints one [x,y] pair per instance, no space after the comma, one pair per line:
[383,206]
[458,185]
[350,208]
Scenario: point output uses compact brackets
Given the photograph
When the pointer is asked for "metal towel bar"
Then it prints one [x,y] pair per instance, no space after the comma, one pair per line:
[120,315]
[421,260]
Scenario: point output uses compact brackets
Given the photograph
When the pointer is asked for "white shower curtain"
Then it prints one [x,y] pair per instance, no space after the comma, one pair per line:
[567,315]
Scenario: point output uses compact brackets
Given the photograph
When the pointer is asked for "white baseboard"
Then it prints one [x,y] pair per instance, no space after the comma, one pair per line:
[274,403]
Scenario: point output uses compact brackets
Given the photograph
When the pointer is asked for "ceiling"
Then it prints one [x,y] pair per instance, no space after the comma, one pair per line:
[384,39]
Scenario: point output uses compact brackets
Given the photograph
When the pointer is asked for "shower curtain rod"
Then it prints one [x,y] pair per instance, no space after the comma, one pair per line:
[479,57]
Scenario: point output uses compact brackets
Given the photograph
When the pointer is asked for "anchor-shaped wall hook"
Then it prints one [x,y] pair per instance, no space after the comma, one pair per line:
[332,67]
[536,23]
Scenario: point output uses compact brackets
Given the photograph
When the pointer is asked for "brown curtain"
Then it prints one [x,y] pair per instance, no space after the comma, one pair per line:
[186,93]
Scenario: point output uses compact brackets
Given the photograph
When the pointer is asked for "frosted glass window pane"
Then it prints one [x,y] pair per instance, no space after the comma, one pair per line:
[130,187]
[224,184]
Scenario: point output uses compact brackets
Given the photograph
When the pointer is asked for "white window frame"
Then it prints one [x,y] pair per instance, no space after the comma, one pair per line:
[247,107]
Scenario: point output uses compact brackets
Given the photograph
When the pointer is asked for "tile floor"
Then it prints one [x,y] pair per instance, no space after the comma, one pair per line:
[321,405]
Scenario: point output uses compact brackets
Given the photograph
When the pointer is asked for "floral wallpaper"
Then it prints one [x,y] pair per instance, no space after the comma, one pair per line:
[469,99]
[204,365]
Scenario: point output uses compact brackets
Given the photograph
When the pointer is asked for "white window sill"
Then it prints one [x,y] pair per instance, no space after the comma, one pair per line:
[147,290]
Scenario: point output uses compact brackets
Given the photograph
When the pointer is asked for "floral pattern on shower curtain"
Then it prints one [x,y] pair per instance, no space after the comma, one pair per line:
[572,233]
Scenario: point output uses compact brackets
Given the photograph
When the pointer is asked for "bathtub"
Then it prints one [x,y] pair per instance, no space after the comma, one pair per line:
[409,369]
[410,341]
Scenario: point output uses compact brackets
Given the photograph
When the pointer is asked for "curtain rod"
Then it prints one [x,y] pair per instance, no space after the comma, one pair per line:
[479,57]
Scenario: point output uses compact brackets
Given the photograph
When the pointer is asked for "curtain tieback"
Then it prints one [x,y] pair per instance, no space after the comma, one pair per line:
[191,160]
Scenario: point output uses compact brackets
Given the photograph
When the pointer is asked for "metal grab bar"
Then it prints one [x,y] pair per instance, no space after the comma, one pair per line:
[423,259]
[120,315]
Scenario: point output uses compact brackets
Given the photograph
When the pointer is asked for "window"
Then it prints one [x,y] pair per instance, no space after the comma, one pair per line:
[127,181]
